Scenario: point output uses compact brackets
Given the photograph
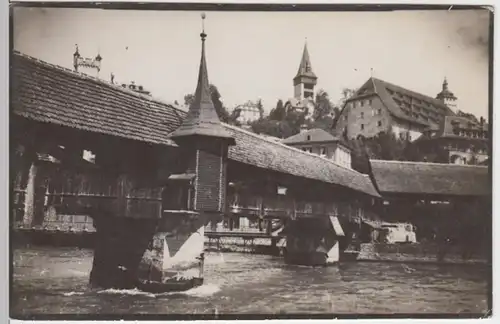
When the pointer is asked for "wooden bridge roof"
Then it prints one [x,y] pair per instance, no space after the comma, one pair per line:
[398,177]
[52,94]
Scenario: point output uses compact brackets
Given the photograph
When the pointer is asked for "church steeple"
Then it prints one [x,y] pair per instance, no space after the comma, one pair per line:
[305,80]
[305,68]
[202,117]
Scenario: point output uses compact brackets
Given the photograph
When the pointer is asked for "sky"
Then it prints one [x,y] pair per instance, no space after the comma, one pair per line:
[255,55]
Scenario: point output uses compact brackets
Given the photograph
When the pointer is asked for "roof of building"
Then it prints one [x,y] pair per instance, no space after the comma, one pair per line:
[51,94]
[450,124]
[397,177]
[202,117]
[313,135]
[48,93]
[305,67]
[445,92]
[265,153]
[405,104]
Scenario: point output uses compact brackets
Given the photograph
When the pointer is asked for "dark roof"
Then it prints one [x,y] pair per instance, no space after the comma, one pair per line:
[52,94]
[315,135]
[305,67]
[252,149]
[48,93]
[202,117]
[424,110]
[446,93]
[451,123]
[396,177]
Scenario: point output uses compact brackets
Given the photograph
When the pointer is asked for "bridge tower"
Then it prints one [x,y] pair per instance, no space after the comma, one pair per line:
[204,143]
[156,252]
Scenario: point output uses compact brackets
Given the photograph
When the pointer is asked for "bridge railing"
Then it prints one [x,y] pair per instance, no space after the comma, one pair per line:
[245,229]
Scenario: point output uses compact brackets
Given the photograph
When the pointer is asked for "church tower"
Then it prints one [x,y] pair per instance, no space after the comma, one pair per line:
[305,80]
[447,97]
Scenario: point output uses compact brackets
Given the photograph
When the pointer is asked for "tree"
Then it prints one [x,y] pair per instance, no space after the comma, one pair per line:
[233,117]
[295,118]
[266,126]
[346,93]
[261,108]
[279,112]
[323,106]
[188,99]
[219,106]
[360,161]
[323,112]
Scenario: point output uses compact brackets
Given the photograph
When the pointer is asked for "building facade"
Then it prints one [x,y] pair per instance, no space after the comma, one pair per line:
[379,106]
[322,143]
[248,112]
[464,140]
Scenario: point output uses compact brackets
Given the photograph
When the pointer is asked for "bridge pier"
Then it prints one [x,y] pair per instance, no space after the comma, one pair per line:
[312,242]
[119,246]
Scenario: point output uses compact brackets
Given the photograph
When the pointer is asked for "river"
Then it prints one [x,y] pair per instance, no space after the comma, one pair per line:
[54,281]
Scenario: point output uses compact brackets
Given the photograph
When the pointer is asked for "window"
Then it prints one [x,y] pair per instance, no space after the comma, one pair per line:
[362,103]
[362,115]
[379,111]
[370,102]
[308,137]
[379,123]
[362,126]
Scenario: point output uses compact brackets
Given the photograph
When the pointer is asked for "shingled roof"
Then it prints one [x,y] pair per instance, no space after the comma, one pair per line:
[405,104]
[252,149]
[48,93]
[451,126]
[314,135]
[396,177]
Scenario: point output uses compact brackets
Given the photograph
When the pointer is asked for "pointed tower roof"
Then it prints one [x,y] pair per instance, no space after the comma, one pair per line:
[305,67]
[202,119]
[445,92]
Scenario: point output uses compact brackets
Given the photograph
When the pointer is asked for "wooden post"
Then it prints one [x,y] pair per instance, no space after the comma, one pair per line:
[29,203]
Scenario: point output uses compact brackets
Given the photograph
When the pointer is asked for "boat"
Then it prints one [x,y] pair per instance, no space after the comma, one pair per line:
[180,281]
[172,285]
[349,255]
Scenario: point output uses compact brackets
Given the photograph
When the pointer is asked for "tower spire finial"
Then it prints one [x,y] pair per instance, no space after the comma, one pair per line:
[203,35]
[202,118]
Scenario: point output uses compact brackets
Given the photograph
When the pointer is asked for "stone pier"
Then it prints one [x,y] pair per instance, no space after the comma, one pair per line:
[313,241]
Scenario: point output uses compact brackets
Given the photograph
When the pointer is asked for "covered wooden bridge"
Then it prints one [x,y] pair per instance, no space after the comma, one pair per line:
[447,203]
[157,169]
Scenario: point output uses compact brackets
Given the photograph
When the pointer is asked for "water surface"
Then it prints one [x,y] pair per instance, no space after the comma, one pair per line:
[54,281]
